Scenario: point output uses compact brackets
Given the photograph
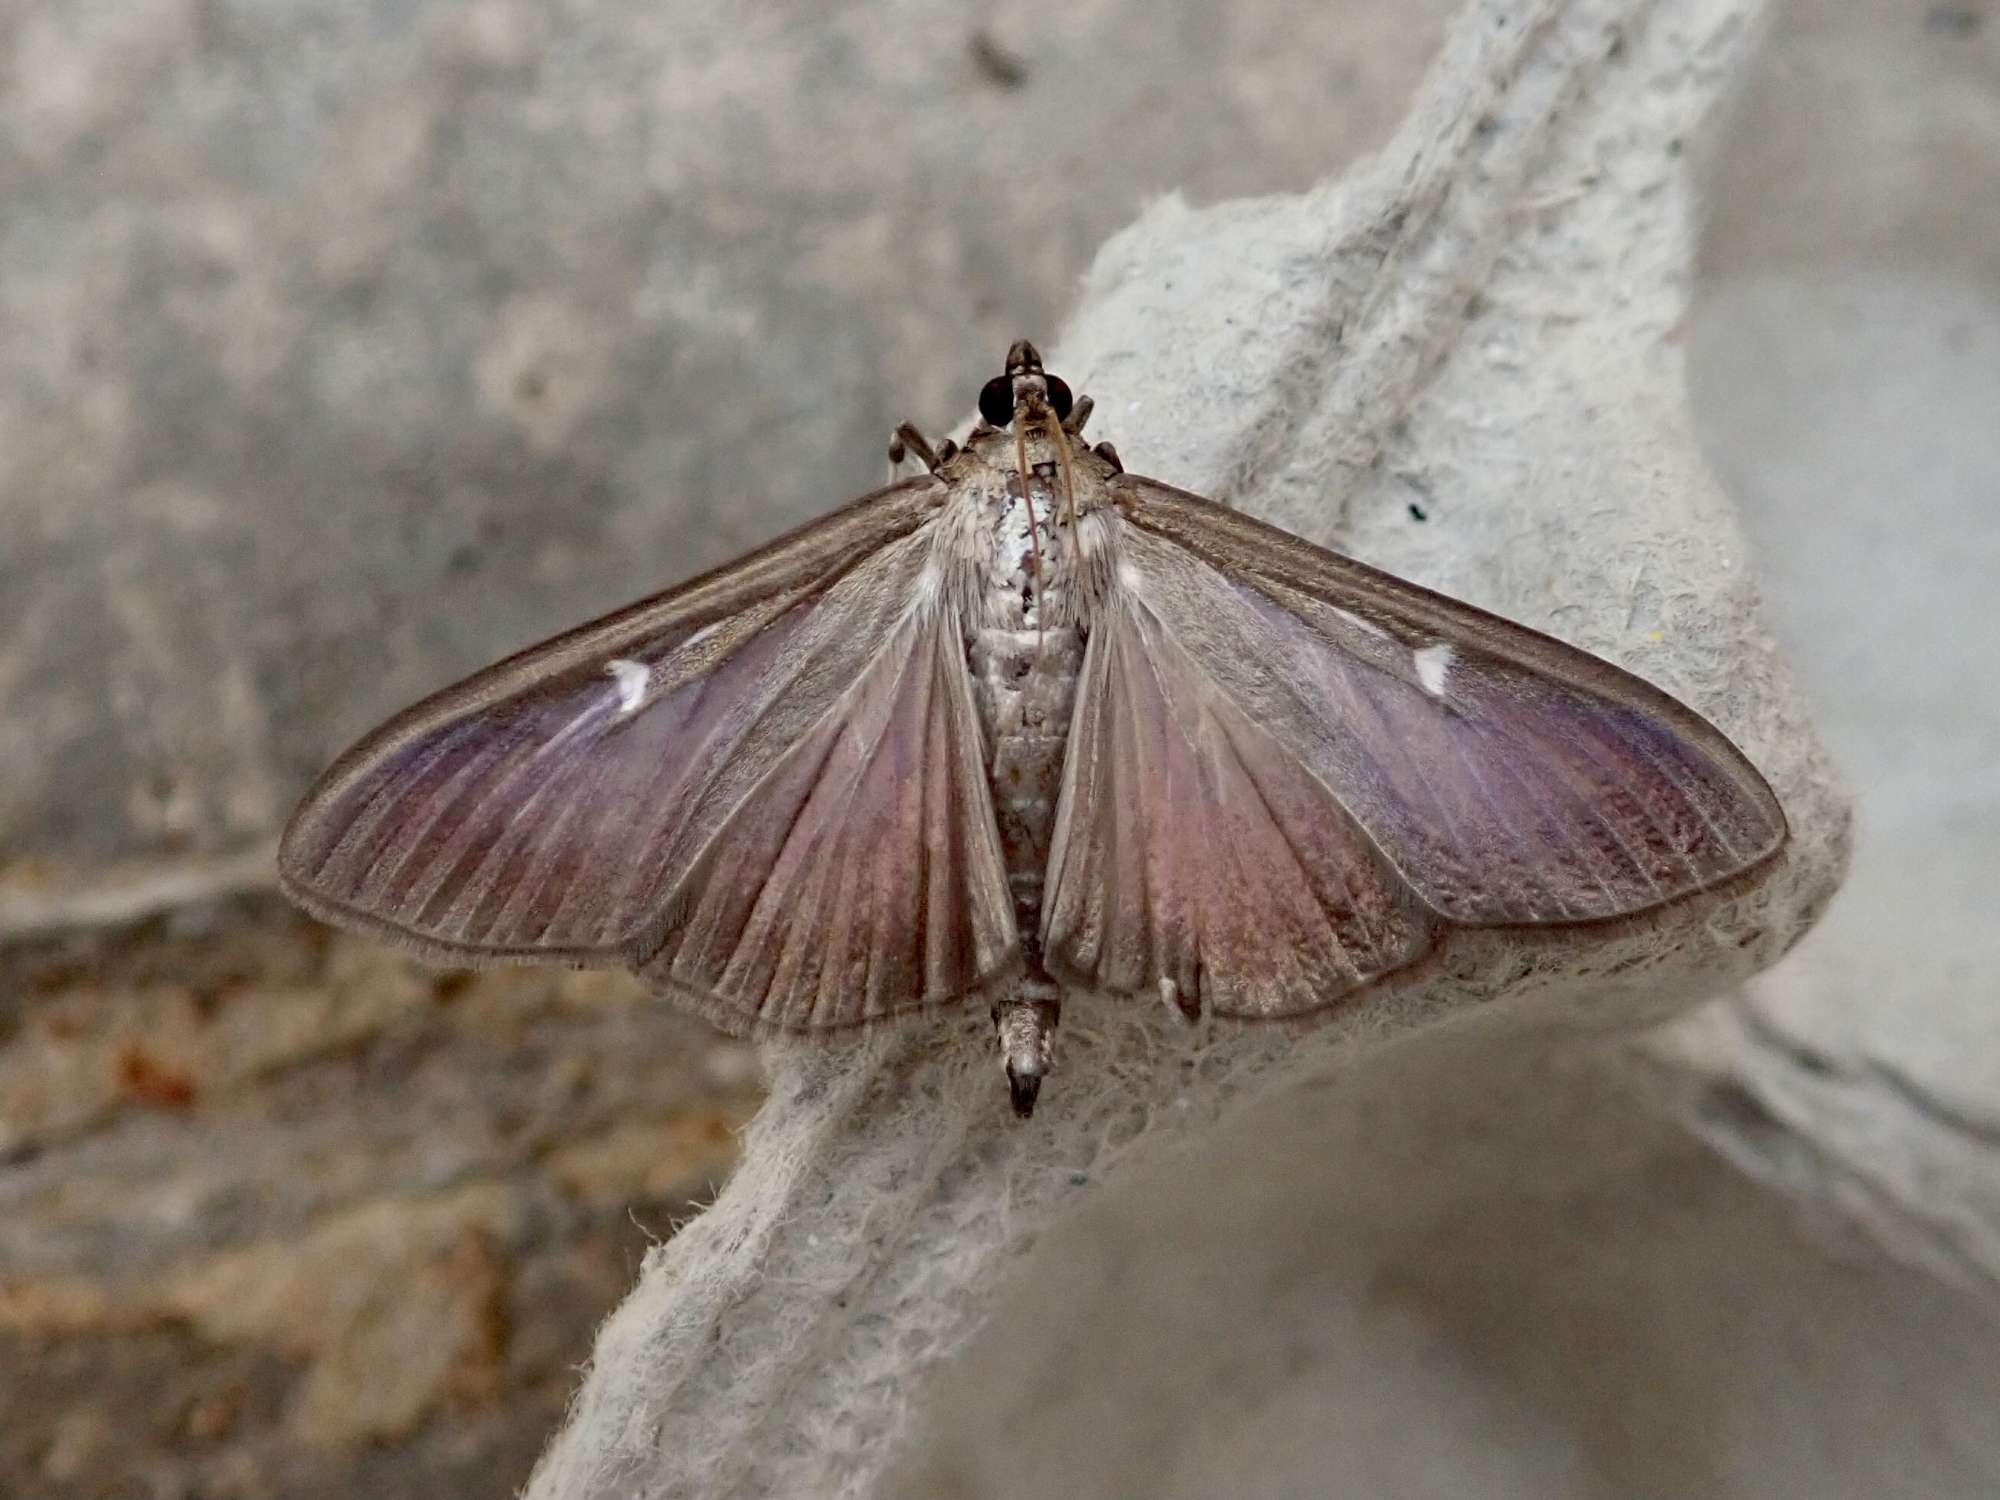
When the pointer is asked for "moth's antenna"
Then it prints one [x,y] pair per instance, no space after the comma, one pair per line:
[1034,529]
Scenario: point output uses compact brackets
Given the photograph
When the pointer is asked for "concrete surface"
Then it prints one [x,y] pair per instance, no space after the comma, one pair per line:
[1845,360]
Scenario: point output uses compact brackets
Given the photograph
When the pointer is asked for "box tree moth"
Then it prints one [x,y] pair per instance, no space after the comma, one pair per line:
[1024,724]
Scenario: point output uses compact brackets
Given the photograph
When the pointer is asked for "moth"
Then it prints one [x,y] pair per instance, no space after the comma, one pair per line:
[1020,725]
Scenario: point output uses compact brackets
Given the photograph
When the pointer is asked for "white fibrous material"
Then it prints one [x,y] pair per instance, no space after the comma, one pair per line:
[1461,362]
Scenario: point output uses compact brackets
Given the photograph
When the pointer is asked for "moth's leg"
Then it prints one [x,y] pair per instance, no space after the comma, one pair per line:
[1110,455]
[1026,1026]
[1079,413]
[906,440]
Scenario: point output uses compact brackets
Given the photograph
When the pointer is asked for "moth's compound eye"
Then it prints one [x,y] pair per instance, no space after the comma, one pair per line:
[1059,397]
[996,400]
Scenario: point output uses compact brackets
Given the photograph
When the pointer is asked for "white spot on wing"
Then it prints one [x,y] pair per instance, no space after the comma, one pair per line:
[631,677]
[1433,663]
[1128,577]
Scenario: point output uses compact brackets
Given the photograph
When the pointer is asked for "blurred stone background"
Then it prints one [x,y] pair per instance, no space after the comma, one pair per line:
[346,347]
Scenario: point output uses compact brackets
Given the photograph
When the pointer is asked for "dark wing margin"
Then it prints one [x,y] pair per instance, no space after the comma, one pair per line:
[621,794]
[1498,776]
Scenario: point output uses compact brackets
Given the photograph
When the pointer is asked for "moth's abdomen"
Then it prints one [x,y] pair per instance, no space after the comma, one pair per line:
[1025,688]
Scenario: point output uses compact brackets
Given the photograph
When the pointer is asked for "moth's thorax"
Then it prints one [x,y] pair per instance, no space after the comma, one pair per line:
[1050,574]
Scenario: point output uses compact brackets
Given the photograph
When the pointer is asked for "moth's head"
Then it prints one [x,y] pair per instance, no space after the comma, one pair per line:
[1026,390]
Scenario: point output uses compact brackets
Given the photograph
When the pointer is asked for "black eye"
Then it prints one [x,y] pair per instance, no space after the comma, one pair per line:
[1059,397]
[996,400]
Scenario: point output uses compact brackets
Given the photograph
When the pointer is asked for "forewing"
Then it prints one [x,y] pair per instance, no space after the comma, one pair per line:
[1501,777]
[582,801]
